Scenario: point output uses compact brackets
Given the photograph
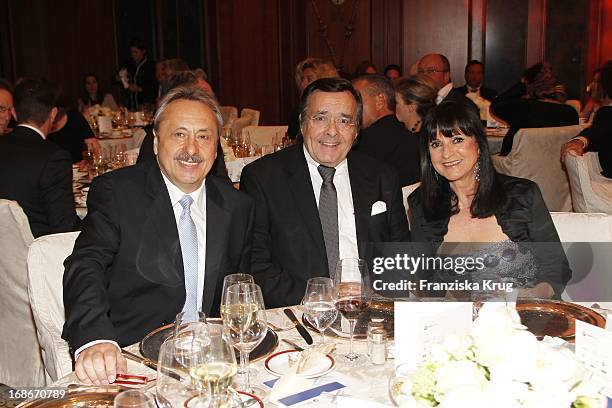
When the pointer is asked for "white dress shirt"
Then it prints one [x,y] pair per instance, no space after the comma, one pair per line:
[34,129]
[347,234]
[198,214]
[443,92]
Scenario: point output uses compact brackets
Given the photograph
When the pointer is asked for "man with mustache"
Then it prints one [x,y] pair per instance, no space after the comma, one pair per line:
[318,202]
[158,239]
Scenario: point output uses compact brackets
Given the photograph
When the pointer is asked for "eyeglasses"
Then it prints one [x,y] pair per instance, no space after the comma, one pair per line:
[4,109]
[321,121]
[431,70]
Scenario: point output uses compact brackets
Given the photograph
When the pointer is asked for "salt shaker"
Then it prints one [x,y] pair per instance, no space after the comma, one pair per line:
[374,324]
[378,353]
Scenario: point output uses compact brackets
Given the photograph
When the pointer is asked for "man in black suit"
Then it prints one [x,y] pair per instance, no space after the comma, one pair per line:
[158,239]
[597,138]
[437,67]
[33,171]
[318,202]
[474,75]
[382,136]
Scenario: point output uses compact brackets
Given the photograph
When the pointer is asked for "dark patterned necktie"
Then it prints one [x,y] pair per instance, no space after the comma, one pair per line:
[328,213]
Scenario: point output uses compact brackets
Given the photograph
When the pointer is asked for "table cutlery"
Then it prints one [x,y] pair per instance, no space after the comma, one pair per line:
[293,344]
[301,329]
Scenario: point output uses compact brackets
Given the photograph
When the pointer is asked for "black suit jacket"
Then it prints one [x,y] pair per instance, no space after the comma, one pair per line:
[146,153]
[389,141]
[523,218]
[38,175]
[125,276]
[521,113]
[486,93]
[288,245]
[600,138]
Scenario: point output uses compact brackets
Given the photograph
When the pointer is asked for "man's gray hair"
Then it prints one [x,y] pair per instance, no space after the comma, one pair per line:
[188,93]
[378,84]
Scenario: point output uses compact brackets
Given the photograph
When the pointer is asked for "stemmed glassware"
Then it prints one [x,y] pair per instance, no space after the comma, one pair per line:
[230,280]
[245,318]
[319,305]
[214,370]
[133,399]
[173,385]
[352,290]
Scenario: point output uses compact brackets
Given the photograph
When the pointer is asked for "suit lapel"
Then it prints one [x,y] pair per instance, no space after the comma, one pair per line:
[304,198]
[161,215]
[217,225]
[363,189]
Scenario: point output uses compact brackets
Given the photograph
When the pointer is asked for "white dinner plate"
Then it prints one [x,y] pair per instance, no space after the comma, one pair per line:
[278,364]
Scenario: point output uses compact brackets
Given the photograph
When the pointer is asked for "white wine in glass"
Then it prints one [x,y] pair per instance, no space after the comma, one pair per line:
[245,317]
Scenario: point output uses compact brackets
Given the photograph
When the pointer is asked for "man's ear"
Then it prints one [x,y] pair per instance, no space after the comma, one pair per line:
[381,101]
[53,115]
[155,141]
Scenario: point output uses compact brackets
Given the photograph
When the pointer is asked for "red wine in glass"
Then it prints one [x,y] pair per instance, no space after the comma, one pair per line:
[352,308]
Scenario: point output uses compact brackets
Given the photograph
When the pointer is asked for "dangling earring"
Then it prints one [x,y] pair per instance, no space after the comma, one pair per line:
[416,125]
[477,171]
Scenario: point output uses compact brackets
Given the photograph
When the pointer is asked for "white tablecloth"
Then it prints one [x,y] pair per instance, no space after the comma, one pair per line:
[368,382]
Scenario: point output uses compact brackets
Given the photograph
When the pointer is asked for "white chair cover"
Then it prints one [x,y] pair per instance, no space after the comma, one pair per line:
[587,239]
[229,114]
[45,271]
[250,113]
[535,156]
[265,135]
[406,191]
[591,192]
[20,359]
[138,137]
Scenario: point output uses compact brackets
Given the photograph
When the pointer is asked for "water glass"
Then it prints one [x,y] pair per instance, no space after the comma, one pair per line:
[134,399]
[319,304]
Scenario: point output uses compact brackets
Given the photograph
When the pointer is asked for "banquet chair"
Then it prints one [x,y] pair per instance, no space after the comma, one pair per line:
[406,191]
[250,113]
[535,156]
[21,363]
[45,271]
[137,137]
[265,135]
[229,114]
[587,240]
[591,191]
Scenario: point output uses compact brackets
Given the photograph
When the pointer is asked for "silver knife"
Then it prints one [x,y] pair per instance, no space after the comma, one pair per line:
[301,329]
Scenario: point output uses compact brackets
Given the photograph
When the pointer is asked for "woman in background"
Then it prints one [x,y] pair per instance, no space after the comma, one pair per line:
[464,206]
[91,95]
[414,98]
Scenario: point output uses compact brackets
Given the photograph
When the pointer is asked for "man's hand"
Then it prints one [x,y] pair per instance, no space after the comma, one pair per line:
[99,364]
[575,147]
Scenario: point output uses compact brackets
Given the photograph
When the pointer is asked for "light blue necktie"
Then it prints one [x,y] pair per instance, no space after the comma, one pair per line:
[188,237]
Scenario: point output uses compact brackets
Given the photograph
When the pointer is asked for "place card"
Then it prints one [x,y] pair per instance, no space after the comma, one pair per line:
[105,124]
[594,350]
[424,324]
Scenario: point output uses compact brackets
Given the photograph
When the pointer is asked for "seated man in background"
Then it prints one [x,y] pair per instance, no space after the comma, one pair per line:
[597,138]
[158,239]
[318,202]
[474,77]
[382,136]
[33,171]
[6,107]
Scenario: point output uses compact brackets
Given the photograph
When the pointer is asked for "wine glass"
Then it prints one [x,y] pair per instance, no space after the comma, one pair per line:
[183,322]
[216,368]
[133,399]
[245,317]
[319,307]
[230,280]
[351,287]
[173,385]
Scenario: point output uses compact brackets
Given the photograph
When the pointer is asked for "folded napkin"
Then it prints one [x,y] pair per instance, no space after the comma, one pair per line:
[294,380]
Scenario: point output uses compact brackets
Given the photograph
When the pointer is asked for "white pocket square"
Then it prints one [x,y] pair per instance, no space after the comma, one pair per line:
[378,207]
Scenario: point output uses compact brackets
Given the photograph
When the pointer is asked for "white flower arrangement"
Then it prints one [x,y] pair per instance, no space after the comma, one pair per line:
[499,363]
